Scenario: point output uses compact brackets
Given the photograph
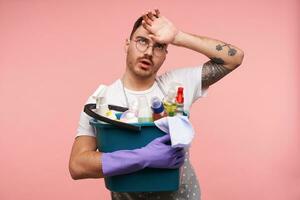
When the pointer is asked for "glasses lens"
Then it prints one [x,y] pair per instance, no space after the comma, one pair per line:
[141,45]
[158,50]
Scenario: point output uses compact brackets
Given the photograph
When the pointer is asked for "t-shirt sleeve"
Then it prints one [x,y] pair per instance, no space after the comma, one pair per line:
[84,127]
[191,79]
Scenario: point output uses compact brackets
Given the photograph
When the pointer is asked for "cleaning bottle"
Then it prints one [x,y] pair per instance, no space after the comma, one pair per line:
[131,115]
[157,108]
[144,111]
[169,102]
[101,105]
[180,102]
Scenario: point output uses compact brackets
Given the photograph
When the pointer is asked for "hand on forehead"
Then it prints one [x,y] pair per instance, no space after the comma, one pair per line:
[160,29]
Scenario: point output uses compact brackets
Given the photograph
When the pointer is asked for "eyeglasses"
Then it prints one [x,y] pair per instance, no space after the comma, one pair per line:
[142,44]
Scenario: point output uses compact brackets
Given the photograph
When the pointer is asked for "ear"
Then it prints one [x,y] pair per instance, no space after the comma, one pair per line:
[127,42]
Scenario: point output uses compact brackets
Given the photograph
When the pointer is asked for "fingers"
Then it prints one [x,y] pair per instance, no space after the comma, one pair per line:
[146,26]
[177,162]
[180,159]
[179,148]
[179,154]
[150,16]
[157,13]
[147,19]
[179,151]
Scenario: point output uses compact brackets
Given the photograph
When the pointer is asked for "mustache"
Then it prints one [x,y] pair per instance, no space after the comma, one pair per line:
[148,58]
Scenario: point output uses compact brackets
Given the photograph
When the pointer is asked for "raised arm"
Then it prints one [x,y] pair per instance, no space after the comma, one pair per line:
[223,57]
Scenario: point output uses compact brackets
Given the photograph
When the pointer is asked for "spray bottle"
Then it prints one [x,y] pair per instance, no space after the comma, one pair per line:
[169,100]
[169,103]
[101,105]
[180,102]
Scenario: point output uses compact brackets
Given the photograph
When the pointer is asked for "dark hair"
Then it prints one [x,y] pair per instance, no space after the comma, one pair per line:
[137,24]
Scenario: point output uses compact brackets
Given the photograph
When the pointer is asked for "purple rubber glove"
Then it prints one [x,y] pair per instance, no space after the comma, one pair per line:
[157,154]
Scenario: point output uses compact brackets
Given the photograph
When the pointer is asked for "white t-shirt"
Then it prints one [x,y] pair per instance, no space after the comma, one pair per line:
[189,78]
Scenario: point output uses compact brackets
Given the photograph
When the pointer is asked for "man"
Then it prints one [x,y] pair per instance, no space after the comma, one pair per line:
[146,52]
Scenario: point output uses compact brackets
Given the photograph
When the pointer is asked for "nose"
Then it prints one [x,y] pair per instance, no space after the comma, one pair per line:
[149,50]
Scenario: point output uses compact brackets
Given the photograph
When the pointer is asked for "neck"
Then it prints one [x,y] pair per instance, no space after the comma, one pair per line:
[132,82]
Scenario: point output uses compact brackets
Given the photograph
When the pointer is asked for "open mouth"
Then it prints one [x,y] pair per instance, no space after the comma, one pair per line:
[145,63]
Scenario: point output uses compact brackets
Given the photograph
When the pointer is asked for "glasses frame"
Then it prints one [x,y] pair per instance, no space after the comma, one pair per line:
[165,51]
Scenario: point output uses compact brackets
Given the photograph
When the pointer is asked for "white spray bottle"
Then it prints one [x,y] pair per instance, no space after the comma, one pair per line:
[101,105]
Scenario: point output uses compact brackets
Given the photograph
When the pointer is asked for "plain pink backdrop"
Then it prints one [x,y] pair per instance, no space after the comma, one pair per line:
[54,54]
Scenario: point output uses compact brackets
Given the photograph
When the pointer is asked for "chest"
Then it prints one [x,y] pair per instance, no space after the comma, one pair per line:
[121,97]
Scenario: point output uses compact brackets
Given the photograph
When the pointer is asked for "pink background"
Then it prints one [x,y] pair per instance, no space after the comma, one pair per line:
[53,54]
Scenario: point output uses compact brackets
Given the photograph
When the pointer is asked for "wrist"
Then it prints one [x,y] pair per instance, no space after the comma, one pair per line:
[142,159]
[178,38]
[122,162]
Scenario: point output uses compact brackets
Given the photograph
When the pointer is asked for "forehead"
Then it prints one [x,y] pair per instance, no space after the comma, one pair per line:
[141,31]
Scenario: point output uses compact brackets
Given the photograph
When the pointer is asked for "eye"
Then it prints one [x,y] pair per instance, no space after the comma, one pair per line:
[160,46]
[142,41]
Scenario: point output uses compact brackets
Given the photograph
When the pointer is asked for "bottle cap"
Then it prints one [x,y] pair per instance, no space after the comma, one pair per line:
[171,94]
[179,97]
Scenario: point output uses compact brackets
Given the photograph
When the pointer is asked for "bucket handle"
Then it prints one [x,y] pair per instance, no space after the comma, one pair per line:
[88,110]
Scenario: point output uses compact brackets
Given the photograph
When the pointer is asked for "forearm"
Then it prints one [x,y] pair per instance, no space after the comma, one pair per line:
[218,51]
[86,165]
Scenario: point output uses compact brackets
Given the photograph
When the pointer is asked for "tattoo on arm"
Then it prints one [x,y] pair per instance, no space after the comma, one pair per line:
[213,71]
[231,51]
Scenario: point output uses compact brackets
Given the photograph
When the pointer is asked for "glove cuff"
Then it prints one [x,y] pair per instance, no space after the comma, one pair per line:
[122,162]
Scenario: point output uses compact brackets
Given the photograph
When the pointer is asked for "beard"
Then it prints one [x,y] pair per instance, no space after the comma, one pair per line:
[141,72]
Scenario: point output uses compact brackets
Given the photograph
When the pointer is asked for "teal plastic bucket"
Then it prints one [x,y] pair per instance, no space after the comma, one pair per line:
[111,138]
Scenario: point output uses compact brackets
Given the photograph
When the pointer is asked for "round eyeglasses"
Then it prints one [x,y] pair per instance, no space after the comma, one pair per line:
[142,44]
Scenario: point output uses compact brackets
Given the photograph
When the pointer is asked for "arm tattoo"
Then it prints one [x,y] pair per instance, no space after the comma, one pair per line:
[213,71]
[231,51]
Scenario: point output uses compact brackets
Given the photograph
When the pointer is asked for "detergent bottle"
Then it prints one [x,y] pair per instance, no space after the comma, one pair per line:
[157,108]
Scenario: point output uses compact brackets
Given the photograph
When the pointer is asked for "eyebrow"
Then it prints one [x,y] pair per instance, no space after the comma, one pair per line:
[142,37]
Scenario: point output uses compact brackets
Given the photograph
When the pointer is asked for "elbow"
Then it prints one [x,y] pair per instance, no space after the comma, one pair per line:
[235,61]
[79,171]
[240,58]
[74,170]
